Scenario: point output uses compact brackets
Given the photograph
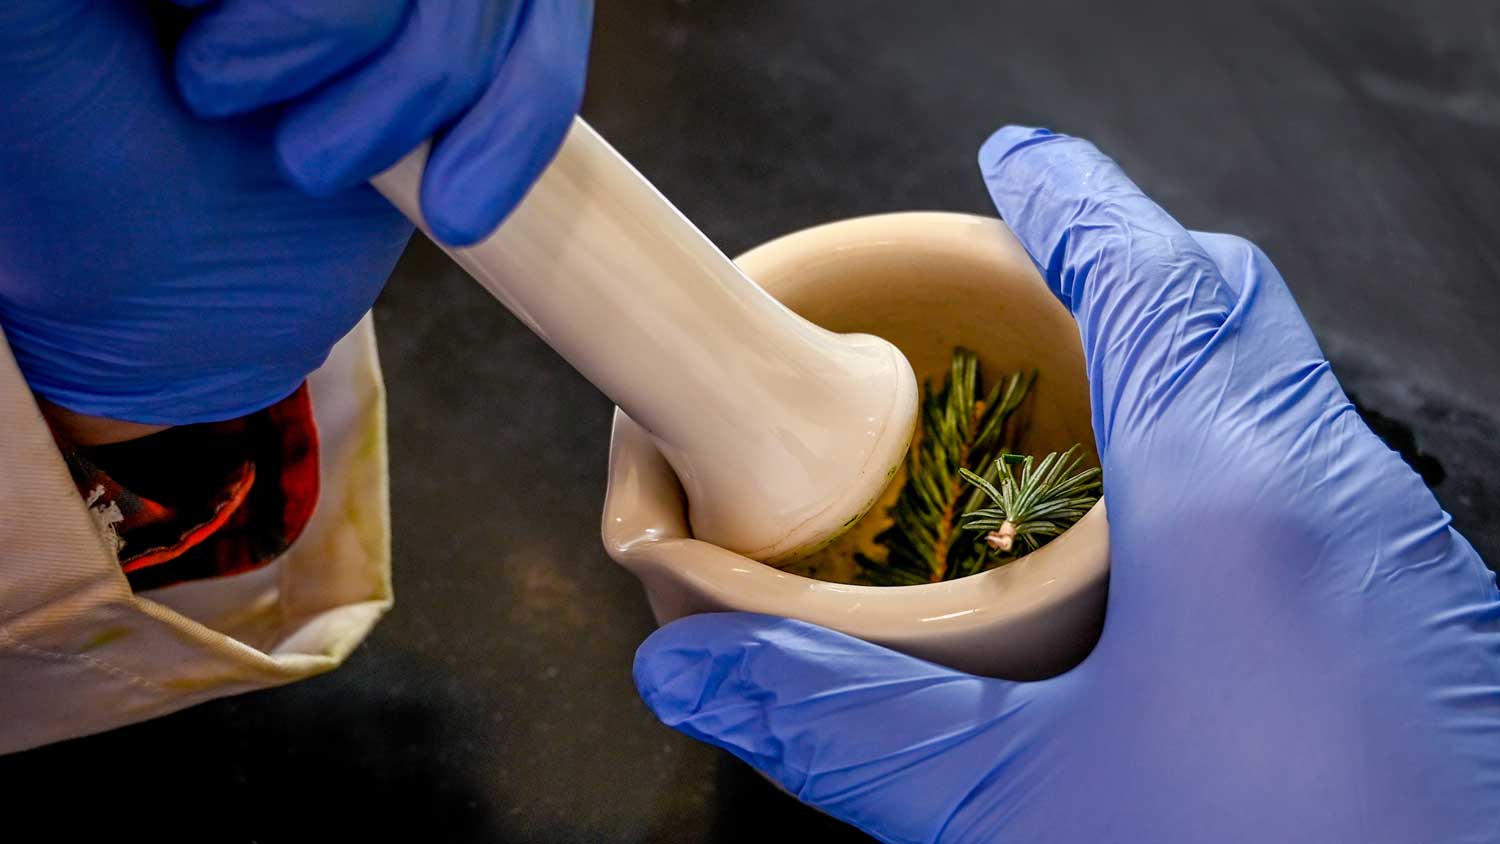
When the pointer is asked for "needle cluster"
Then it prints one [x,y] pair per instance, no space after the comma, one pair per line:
[963,509]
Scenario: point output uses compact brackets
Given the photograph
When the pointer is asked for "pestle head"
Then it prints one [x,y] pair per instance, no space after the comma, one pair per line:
[819,461]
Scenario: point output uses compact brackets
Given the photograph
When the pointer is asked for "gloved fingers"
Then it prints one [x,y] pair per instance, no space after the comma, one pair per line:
[1241,262]
[1266,491]
[1296,401]
[1384,508]
[242,55]
[482,167]
[1171,343]
[878,739]
[1099,241]
[440,63]
[1148,300]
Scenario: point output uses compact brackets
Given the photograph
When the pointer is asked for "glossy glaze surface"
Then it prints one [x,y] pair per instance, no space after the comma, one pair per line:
[782,433]
[927,282]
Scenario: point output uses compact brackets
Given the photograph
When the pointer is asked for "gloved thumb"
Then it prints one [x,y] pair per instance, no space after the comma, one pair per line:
[851,728]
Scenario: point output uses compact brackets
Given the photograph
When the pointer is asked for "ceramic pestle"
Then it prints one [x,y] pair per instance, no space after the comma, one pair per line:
[782,434]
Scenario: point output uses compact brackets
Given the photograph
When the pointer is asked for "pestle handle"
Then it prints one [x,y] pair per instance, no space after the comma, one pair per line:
[775,426]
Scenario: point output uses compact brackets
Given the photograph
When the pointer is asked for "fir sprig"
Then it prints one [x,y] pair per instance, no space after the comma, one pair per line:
[1029,509]
[943,501]
[959,429]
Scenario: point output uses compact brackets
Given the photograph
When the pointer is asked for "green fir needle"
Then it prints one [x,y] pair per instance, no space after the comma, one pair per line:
[944,501]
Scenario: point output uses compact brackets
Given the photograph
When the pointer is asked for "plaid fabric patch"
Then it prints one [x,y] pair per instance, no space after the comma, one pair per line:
[208,500]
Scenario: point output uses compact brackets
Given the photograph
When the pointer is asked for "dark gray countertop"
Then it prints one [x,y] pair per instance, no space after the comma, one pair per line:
[1357,142]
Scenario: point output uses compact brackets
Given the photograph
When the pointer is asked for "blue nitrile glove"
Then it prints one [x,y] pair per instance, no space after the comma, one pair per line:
[1298,647]
[156,262]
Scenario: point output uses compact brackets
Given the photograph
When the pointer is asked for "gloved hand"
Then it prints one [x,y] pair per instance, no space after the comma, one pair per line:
[156,263]
[1298,646]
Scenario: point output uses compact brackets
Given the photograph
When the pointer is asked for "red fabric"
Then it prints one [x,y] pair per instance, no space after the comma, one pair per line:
[201,501]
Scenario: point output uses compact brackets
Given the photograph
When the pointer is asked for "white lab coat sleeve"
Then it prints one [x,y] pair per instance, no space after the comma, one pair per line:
[81,653]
